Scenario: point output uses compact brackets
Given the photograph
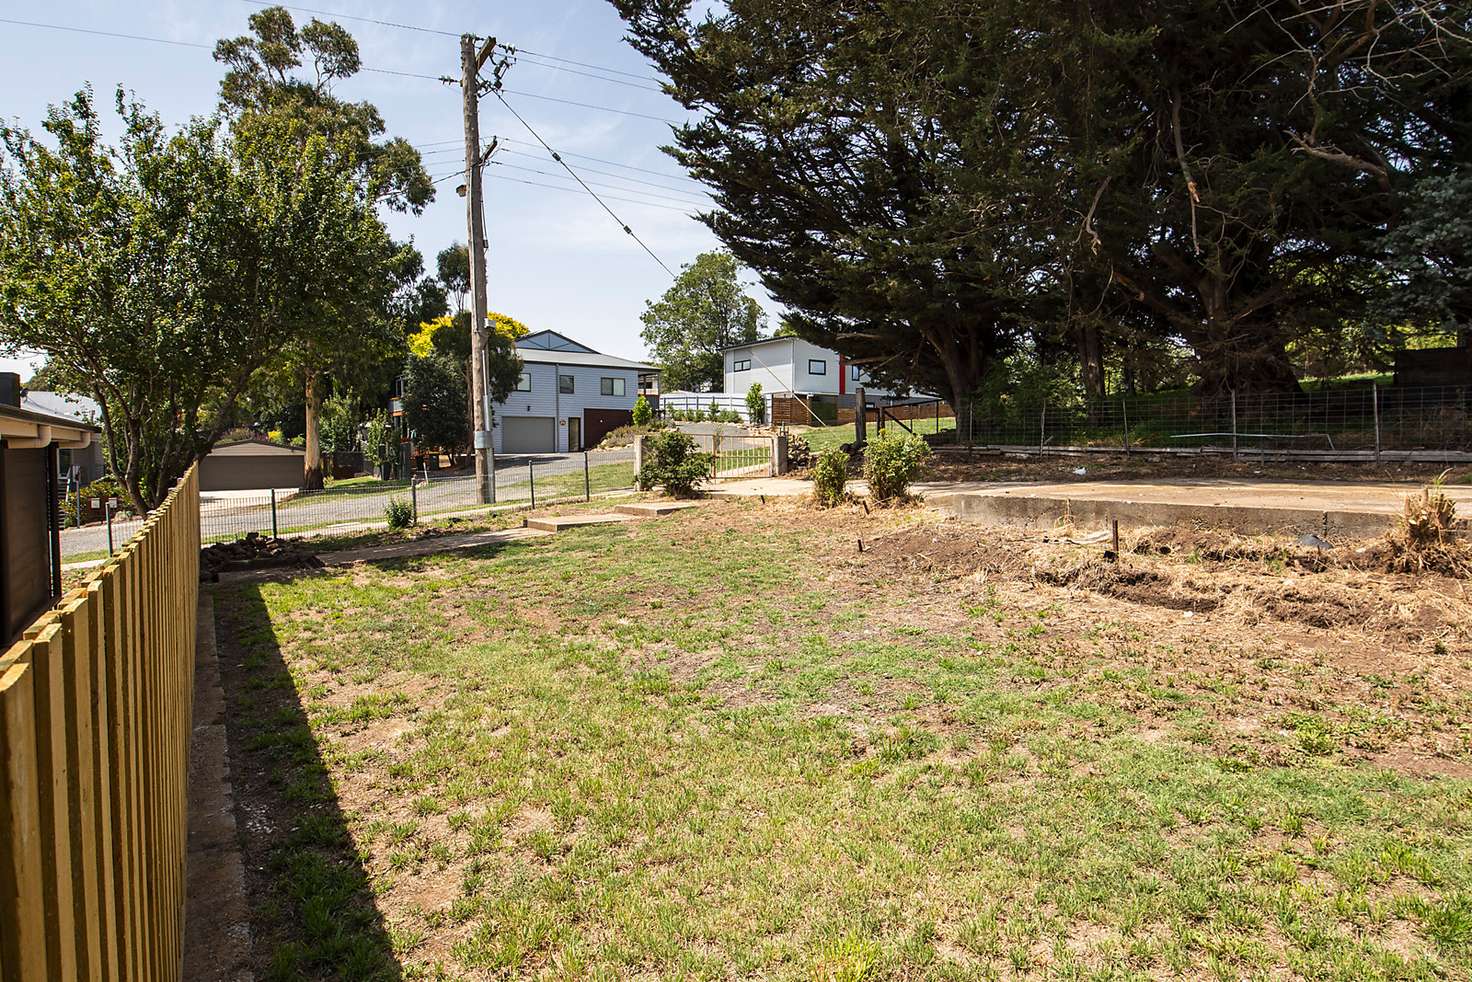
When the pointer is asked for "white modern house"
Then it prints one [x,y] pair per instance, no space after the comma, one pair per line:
[792,366]
[568,398]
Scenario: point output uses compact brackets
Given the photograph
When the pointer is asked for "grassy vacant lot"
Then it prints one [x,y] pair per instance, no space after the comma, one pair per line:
[731,744]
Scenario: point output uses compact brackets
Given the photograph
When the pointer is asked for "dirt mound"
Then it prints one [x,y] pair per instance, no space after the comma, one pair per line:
[949,549]
[255,551]
[1128,582]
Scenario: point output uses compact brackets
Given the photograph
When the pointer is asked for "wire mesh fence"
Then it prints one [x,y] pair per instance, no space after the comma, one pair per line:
[361,504]
[1358,420]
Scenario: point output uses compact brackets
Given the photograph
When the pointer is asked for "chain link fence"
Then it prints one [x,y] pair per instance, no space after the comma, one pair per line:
[1357,422]
[360,504]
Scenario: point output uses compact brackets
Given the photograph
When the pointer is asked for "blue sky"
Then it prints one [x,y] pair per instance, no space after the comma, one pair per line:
[557,260]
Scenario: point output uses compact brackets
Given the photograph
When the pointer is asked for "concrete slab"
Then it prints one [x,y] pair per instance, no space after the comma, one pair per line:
[217,936]
[771,487]
[559,523]
[1325,508]
[654,509]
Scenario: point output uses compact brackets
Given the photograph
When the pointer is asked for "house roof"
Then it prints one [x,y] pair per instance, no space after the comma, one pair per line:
[256,447]
[21,428]
[553,341]
[62,404]
[587,359]
[757,344]
[552,348]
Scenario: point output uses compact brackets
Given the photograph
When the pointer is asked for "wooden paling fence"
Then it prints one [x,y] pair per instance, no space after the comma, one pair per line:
[95,720]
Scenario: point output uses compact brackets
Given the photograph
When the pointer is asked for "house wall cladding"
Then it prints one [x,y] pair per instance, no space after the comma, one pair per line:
[545,400]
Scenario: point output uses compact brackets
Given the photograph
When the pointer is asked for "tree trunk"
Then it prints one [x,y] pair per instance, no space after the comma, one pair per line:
[1091,364]
[312,463]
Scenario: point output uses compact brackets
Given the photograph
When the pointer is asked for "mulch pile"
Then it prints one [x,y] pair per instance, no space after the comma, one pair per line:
[255,551]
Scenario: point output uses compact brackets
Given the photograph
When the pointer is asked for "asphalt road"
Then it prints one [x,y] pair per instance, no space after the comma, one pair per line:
[232,514]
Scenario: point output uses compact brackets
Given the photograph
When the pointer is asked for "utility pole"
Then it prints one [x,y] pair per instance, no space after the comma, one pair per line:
[471,61]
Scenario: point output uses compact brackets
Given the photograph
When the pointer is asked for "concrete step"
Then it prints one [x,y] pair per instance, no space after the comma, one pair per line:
[654,509]
[557,523]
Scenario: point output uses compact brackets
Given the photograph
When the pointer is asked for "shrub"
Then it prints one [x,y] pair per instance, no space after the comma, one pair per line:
[799,453]
[829,475]
[671,460]
[643,415]
[756,405]
[728,416]
[891,463]
[400,513]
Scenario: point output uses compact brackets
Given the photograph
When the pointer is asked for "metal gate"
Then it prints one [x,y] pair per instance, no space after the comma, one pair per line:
[737,455]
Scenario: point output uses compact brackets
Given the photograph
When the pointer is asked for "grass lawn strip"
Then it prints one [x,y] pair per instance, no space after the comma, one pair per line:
[727,743]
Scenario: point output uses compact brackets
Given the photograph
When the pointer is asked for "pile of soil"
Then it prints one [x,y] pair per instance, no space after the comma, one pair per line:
[255,551]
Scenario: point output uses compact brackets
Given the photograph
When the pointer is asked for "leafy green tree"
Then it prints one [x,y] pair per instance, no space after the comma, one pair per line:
[163,273]
[756,405]
[885,181]
[267,95]
[434,402]
[704,312]
[453,266]
[1430,257]
[340,423]
[643,414]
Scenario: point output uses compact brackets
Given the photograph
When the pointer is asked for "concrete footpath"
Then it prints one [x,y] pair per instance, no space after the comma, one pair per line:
[1322,507]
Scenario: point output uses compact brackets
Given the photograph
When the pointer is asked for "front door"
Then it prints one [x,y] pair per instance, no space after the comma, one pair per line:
[574,434]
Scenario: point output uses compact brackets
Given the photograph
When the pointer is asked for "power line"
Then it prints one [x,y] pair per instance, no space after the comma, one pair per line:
[510,49]
[589,105]
[608,173]
[521,59]
[366,20]
[580,156]
[106,34]
[580,191]
[598,184]
[538,137]
[365,68]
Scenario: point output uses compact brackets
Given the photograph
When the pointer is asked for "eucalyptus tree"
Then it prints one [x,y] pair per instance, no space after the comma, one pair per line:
[280,86]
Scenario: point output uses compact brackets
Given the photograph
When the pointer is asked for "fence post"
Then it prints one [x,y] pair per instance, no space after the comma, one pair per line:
[531,474]
[414,499]
[1375,399]
[1043,428]
[779,454]
[861,430]
[108,505]
[1124,408]
[274,534]
[1234,424]
[638,458]
[587,484]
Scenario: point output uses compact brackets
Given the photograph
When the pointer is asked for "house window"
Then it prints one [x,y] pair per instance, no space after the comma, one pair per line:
[817,366]
[612,386]
[524,384]
[564,384]
[854,372]
[744,365]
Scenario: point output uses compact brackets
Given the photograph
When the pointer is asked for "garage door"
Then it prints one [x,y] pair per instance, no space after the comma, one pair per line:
[528,434]
[598,423]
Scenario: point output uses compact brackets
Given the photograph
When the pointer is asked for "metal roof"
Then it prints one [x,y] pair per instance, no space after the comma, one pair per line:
[62,405]
[762,341]
[587,359]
